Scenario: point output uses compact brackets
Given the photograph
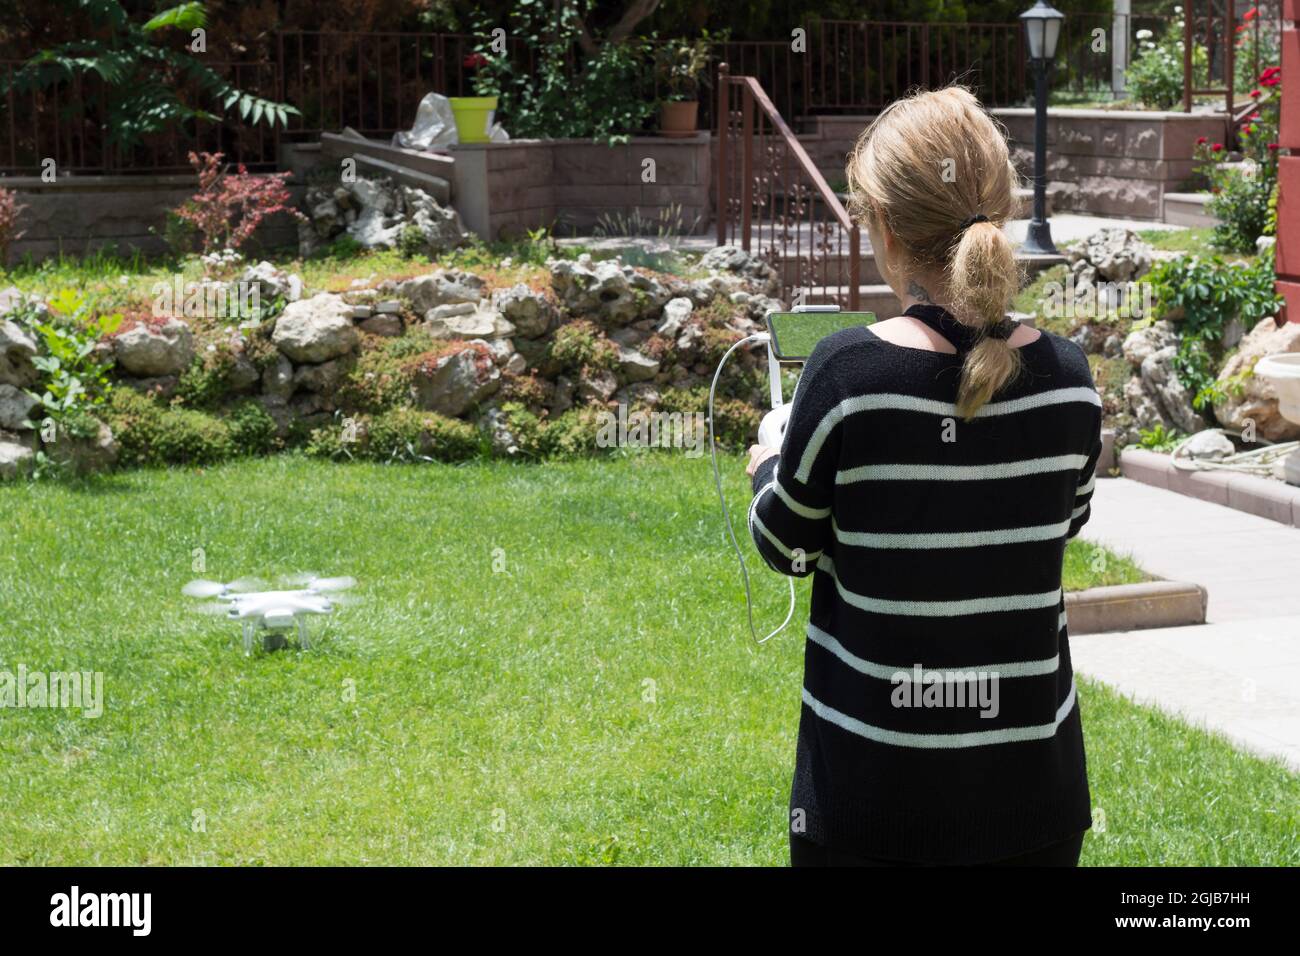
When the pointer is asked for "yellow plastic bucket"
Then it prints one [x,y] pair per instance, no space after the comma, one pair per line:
[473,115]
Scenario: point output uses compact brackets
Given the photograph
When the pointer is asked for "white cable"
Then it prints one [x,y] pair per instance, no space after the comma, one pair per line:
[717,480]
[1257,461]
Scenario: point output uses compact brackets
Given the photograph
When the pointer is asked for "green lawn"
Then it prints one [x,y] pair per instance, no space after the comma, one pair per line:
[599,700]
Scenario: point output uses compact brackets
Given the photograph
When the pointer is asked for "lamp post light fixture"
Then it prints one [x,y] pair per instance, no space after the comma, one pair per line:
[1042,30]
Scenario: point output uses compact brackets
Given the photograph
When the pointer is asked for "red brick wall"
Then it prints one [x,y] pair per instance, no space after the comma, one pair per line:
[1288,206]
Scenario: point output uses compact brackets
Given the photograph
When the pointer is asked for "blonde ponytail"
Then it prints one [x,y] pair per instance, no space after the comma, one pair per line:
[982,277]
[933,168]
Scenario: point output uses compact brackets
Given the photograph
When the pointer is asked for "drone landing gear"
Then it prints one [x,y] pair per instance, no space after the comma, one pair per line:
[275,640]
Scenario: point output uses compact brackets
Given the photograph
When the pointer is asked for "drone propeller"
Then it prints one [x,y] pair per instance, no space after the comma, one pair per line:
[202,588]
[311,582]
[216,610]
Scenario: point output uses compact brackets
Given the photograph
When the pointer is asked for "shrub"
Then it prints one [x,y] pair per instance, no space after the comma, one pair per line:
[252,429]
[73,371]
[399,434]
[229,207]
[407,433]
[151,433]
[1242,199]
[1156,76]
[1211,294]
[735,421]
[9,231]
[573,434]
[580,346]
[207,380]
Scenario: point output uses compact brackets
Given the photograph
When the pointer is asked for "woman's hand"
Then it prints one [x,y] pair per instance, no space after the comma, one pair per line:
[757,455]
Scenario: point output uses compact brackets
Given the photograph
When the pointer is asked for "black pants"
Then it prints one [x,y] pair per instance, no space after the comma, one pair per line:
[803,852]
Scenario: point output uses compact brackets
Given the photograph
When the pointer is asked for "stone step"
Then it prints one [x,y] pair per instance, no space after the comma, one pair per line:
[1187,209]
[435,186]
[879,299]
[422,167]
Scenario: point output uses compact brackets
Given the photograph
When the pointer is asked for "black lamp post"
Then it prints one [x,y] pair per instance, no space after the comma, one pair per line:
[1042,30]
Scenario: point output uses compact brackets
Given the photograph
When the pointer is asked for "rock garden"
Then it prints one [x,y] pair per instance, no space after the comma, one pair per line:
[446,350]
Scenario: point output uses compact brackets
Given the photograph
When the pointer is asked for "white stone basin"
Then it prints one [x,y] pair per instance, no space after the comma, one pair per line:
[1283,373]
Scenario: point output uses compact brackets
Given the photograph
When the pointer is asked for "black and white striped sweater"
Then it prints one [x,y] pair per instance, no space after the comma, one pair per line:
[936,547]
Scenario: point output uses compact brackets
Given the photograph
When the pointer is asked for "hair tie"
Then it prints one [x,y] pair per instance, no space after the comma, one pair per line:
[967,223]
[1002,330]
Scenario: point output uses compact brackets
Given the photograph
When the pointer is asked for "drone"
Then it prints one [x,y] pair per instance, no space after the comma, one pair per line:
[273,612]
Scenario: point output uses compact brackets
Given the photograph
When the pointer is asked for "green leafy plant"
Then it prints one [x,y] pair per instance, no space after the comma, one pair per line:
[1159,438]
[1243,193]
[1155,77]
[1211,293]
[74,372]
[143,73]
[681,66]
[601,97]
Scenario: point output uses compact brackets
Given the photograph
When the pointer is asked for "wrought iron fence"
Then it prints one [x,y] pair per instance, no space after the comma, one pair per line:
[372,82]
[772,200]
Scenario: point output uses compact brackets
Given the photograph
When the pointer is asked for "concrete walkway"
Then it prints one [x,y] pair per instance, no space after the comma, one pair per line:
[1240,673]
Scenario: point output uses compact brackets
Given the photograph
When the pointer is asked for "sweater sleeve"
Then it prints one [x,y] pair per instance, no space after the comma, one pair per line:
[1087,482]
[790,515]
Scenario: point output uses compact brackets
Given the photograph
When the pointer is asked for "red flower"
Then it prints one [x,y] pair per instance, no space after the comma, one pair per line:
[1271,81]
[1202,141]
[1268,74]
[1273,147]
[1256,94]
[474,60]
[1217,147]
[1250,14]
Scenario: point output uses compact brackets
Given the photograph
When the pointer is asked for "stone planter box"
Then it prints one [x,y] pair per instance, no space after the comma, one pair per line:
[78,215]
[502,190]
[1112,162]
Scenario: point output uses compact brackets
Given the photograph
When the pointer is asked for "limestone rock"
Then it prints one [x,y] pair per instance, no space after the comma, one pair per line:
[1251,398]
[83,455]
[1141,343]
[17,349]
[16,455]
[676,312]
[530,312]
[606,291]
[1210,445]
[152,349]
[16,406]
[1172,397]
[456,382]
[443,287]
[316,329]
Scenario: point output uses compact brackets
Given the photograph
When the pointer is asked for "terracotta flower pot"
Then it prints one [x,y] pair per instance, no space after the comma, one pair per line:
[677,118]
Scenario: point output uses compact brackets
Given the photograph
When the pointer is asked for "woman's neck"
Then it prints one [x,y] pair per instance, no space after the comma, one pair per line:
[922,290]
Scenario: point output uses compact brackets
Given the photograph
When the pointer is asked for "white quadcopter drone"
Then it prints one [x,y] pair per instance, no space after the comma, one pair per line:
[271,611]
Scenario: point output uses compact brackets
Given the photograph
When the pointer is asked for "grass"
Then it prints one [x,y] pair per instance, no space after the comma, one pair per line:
[595,701]
[112,282]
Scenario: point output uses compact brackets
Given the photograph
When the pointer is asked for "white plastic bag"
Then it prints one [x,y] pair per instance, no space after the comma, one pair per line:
[434,128]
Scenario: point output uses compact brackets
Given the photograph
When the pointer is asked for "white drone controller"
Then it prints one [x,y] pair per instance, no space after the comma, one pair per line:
[271,611]
[771,430]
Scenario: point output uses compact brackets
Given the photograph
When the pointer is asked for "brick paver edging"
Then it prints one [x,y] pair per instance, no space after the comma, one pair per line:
[1134,607]
[1275,500]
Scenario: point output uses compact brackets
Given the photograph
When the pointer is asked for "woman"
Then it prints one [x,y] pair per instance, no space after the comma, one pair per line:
[932,471]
